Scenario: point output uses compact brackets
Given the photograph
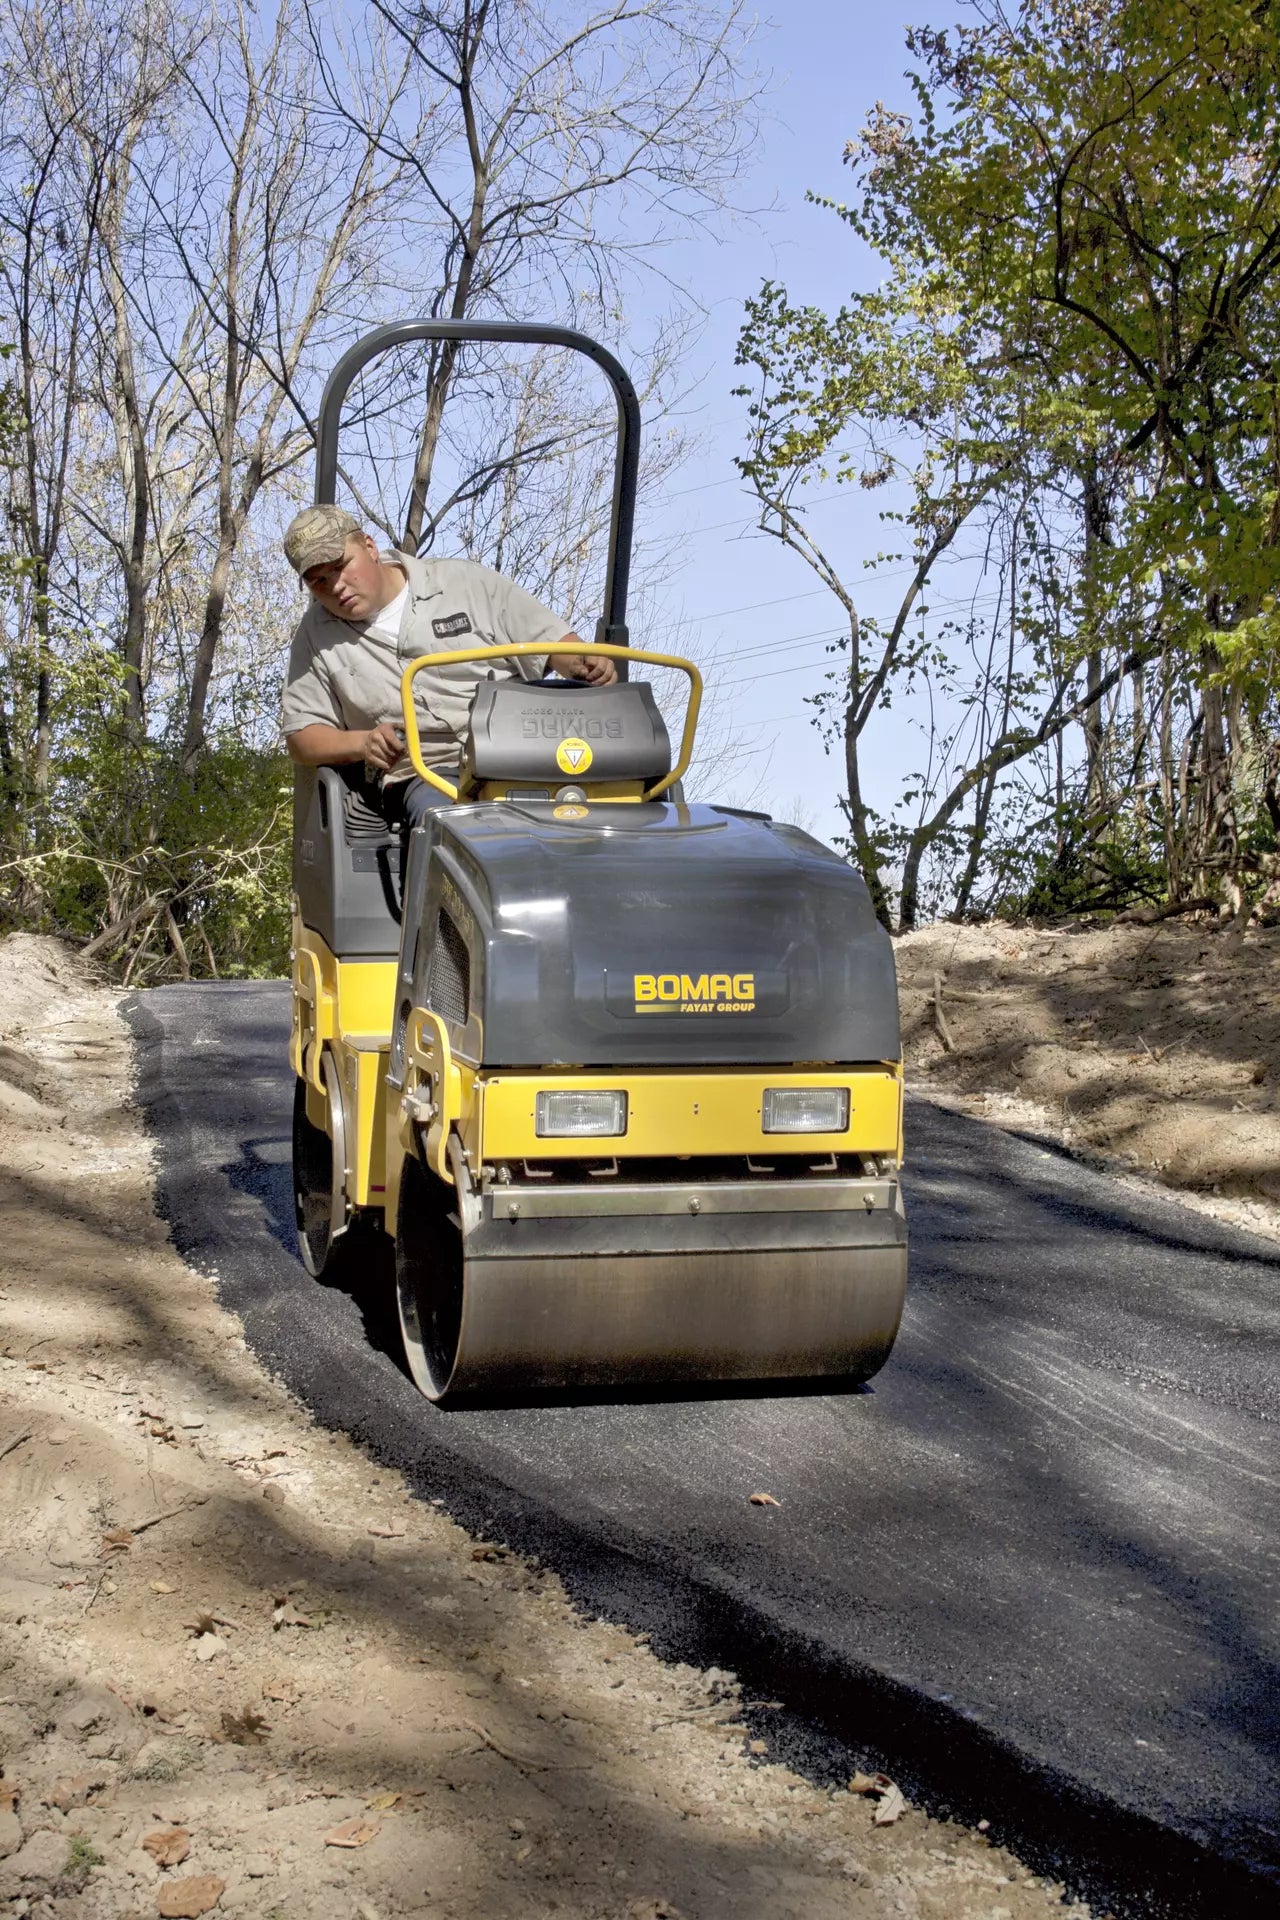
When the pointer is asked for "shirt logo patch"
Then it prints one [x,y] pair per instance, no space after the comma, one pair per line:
[452,625]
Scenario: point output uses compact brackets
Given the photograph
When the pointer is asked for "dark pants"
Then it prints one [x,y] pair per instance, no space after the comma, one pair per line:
[404,803]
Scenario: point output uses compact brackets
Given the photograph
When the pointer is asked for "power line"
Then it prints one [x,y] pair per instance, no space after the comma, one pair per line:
[811,593]
[834,633]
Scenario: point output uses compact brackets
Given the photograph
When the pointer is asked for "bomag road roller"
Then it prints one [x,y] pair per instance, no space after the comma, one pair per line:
[620,1075]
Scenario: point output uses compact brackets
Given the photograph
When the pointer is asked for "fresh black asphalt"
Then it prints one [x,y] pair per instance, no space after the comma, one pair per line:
[1032,1572]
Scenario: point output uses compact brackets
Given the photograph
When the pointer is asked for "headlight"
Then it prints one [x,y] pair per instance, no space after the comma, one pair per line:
[805,1109]
[563,1115]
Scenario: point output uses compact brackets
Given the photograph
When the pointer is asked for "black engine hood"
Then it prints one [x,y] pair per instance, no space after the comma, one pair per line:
[663,935]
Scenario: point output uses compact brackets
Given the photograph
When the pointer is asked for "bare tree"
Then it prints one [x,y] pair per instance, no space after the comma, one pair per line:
[76,92]
[256,250]
[567,144]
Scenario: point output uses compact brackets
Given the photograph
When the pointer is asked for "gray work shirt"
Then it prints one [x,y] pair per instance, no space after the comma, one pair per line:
[341,675]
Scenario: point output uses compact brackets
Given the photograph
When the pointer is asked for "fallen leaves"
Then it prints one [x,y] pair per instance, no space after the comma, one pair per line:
[392,1530]
[188,1899]
[168,1846]
[205,1623]
[764,1500]
[118,1540]
[204,1627]
[352,1833]
[891,1808]
[284,1691]
[383,1802]
[285,1614]
[245,1729]
[891,1804]
[75,1792]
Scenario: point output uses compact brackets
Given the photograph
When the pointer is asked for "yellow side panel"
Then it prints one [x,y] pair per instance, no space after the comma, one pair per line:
[366,996]
[331,996]
[346,1006]
[672,1115]
[365,1079]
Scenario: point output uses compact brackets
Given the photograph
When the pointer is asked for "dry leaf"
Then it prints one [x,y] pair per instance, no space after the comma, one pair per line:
[205,1623]
[891,1808]
[764,1500]
[383,1802]
[162,1586]
[284,1690]
[75,1792]
[870,1783]
[287,1615]
[168,1846]
[352,1833]
[188,1899]
[246,1729]
[119,1540]
[394,1530]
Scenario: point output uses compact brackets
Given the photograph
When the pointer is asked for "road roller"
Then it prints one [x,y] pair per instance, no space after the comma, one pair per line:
[618,1074]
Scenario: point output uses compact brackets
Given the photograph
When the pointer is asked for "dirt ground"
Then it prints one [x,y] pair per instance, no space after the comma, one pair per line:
[243,1671]
[1153,1050]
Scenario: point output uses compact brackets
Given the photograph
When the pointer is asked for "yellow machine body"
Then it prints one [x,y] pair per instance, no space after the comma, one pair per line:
[692,1243]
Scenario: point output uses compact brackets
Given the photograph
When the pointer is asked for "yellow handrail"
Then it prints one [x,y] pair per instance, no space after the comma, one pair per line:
[583,648]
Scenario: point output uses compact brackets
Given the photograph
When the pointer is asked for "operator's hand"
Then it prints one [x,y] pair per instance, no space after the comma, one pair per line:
[593,670]
[383,746]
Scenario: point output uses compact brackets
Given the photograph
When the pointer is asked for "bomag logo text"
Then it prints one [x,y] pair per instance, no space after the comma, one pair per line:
[695,993]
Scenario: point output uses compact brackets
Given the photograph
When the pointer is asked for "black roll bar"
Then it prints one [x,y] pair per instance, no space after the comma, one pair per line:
[611,629]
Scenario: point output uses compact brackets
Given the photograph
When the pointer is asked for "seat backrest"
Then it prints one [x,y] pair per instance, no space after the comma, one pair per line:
[549,733]
[346,866]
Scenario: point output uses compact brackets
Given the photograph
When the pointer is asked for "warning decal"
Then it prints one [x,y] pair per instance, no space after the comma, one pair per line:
[573,755]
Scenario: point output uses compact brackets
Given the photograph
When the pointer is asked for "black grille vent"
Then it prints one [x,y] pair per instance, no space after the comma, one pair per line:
[449,987]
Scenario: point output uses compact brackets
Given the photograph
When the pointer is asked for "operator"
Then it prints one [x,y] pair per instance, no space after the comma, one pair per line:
[370,616]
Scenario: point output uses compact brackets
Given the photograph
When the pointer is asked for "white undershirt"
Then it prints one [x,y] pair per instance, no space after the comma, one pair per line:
[387,623]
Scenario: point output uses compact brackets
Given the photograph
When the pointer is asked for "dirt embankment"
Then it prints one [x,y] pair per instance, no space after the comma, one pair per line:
[243,1671]
[1157,1048]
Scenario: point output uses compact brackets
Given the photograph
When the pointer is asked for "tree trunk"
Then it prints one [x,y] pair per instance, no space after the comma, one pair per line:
[1095,532]
[215,603]
[864,846]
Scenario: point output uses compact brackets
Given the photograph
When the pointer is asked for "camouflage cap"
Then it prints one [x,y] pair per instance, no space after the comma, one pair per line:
[318,536]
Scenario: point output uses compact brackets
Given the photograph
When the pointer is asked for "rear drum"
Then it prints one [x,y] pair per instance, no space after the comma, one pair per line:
[429,1276]
[319,1177]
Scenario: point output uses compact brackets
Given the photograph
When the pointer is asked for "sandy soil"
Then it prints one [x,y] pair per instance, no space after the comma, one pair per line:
[1152,1050]
[242,1671]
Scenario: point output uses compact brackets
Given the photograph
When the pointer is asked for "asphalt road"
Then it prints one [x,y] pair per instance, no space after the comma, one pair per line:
[1032,1572]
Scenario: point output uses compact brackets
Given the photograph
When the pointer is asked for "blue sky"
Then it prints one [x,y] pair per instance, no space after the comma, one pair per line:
[743,596]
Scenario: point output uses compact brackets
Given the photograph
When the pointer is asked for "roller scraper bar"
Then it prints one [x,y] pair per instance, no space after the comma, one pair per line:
[612,627]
